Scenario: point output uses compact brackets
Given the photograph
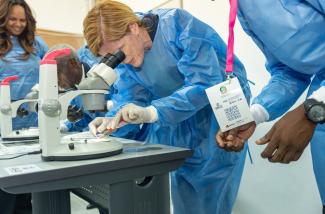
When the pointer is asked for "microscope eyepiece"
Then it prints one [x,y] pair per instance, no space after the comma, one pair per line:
[113,60]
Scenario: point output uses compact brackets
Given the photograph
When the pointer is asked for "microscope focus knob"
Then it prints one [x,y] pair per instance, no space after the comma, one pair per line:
[51,107]
[5,109]
[71,146]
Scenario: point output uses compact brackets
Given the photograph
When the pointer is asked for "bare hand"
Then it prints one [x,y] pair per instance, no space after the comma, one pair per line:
[288,137]
[234,140]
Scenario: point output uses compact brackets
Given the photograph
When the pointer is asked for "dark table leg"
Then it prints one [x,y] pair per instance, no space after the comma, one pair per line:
[53,202]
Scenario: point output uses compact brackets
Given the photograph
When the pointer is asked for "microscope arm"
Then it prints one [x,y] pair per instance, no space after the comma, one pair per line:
[66,98]
[15,105]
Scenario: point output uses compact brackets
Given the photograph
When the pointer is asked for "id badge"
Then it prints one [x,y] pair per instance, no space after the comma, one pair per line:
[229,104]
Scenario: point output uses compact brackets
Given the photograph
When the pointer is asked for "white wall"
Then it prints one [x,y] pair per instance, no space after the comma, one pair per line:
[60,15]
[142,6]
[68,15]
[215,13]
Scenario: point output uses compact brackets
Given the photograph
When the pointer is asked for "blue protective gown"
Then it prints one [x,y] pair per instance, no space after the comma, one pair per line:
[28,72]
[87,58]
[291,34]
[187,56]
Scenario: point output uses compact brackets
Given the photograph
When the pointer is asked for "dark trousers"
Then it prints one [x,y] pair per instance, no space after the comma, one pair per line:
[15,204]
[323,209]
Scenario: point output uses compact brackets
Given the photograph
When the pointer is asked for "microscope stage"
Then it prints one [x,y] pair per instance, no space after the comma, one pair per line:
[82,146]
[84,137]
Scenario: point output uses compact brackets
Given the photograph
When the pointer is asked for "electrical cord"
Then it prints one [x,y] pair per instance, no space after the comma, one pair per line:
[28,153]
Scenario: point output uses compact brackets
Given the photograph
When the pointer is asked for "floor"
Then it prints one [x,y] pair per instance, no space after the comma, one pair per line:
[78,206]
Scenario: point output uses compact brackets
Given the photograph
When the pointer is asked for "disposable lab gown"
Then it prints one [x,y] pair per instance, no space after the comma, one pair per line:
[187,56]
[87,58]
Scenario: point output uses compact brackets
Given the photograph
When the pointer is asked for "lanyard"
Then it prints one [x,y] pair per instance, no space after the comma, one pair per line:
[230,47]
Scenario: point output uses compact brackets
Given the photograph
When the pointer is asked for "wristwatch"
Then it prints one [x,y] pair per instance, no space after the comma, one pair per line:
[315,111]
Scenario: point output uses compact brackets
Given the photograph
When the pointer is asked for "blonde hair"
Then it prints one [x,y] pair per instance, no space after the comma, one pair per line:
[107,20]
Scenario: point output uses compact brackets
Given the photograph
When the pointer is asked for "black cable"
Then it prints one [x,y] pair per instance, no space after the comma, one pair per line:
[28,153]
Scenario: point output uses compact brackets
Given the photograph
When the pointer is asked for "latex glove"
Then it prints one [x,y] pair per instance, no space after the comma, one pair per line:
[134,114]
[234,140]
[99,125]
[63,126]
[288,137]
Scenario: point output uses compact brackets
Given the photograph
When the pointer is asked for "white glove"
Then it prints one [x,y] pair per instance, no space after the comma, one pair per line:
[134,114]
[259,113]
[99,125]
[63,126]
[102,126]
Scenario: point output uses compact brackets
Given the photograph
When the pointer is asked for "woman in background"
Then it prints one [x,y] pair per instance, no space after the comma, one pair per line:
[20,53]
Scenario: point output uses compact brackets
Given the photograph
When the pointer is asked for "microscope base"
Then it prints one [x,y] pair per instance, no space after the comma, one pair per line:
[83,151]
[81,157]
[21,135]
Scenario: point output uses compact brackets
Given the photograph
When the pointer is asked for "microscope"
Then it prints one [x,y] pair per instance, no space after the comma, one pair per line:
[10,110]
[52,107]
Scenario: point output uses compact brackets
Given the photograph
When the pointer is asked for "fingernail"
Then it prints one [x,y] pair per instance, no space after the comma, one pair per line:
[259,141]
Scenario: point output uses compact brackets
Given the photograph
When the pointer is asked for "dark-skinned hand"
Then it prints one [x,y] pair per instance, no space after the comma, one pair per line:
[234,140]
[288,137]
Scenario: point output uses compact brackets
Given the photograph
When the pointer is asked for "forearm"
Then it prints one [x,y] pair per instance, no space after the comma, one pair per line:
[181,105]
[282,91]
